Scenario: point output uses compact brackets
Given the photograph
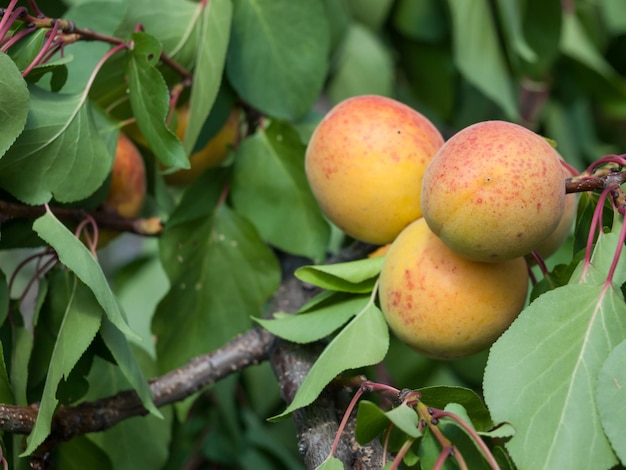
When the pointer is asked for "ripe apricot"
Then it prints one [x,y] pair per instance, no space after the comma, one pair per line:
[128,180]
[365,162]
[212,154]
[443,305]
[494,191]
[549,246]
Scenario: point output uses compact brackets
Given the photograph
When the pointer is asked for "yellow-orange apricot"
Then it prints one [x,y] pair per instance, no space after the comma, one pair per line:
[212,154]
[365,162]
[494,191]
[443,305]
[128,180]
[549,246]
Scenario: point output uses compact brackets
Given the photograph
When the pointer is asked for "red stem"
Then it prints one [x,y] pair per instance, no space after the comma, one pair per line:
[7,18]
[616,256]
[46,47]
[595,221]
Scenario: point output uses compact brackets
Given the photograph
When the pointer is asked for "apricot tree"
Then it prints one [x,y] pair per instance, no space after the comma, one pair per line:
[231,323]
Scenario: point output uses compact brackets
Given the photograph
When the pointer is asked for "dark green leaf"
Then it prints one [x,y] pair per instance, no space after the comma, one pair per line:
[542,32]
[59,146]
[25,51]
[441,396]
[14,102]
[362,342]
[358,277]
[80,453]
[371,13]
[315,324]
[221,273]
[135,443]
[149,100]
[478,55]
[511,19]
[6,392]
[270,189]
[86,54]
[371,421]
[174,24]
[73,254]
[575,43]
[277,59]
[213,36]
[611,399]
[4,298]
[56,68]
[422,21]
[120,349]
[365,66]
[79,327]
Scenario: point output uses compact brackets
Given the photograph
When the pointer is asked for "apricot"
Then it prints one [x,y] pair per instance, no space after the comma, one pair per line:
[128,180]
[551,244]
[365,162]
[443,305]
[212,154]
[494,191]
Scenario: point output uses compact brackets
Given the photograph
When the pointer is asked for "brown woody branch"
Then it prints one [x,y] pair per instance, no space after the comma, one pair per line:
[594,183]
[104,219]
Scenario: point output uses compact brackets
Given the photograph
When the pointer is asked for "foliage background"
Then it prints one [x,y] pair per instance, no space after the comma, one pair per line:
[557,67]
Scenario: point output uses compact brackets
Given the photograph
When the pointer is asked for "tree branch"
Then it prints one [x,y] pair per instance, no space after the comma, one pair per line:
[105,219]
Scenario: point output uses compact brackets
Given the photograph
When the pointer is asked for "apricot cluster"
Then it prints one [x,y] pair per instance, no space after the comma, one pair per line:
[457,217]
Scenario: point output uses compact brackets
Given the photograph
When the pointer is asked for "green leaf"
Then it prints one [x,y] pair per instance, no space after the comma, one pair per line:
[174,24]
[120,349]
[549,358]
[365,66]
[371,13]
[511,20]
[270,189]
[315,324]
[149,100]
[56,68]
[371,421]
[278,56]
[542,32]
[362,342]
[220,273]
[73,254]
[80,453]
[6,391]
[331,463]
[59,146]
[14,102]
[611,399]
[213,35]
[135,443]
[423,21]
[576,44]
[79,327]
[358,277]
[478,55]
[4,298]
[25,51]
[441,396]
[405,419]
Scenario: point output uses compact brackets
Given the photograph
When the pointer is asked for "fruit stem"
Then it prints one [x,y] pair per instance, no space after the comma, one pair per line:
[401,453]
[473,434]
[616,256]
[595,221]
